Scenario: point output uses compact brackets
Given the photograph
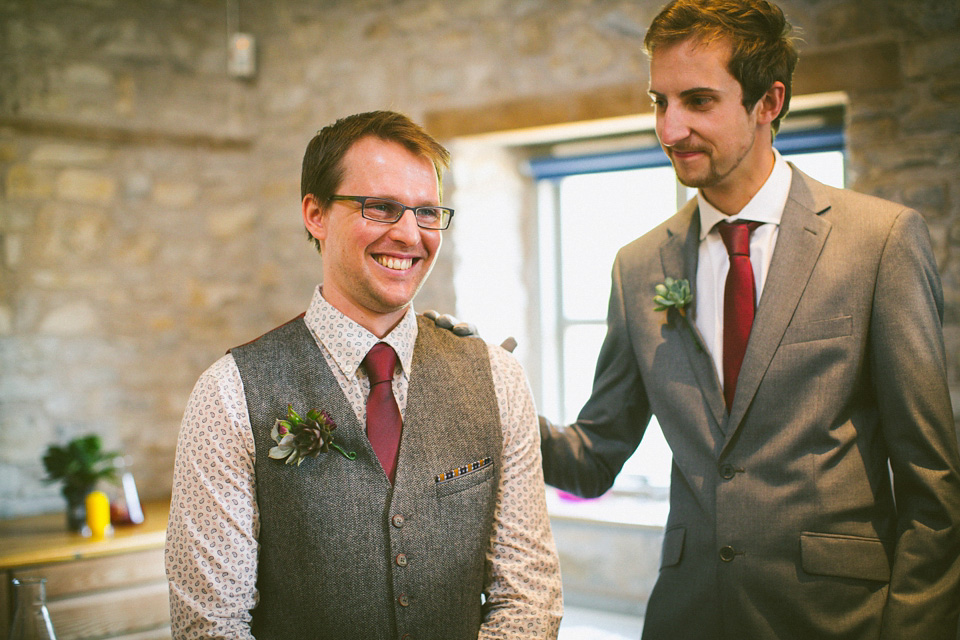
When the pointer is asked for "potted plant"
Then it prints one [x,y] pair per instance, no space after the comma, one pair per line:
[79,466]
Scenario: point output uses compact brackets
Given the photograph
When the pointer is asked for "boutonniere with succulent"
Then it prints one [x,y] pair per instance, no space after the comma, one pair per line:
[298,438]
[676,295]
[673,294]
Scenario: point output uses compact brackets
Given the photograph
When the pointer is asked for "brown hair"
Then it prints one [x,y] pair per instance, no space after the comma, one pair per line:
[764,51]
[323,168]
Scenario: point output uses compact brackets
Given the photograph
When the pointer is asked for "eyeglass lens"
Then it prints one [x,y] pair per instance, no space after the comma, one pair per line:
[390,211]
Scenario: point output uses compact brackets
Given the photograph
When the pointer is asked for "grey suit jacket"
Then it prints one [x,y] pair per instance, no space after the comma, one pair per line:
[784,521]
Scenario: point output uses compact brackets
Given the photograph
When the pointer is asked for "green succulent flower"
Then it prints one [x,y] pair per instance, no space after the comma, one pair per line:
[298,438]
[673,294]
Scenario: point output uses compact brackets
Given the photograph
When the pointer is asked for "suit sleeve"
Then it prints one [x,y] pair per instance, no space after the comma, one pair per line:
[908,365]
[584,458]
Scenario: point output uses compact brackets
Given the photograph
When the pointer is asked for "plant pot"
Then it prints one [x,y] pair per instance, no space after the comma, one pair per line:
[77,509]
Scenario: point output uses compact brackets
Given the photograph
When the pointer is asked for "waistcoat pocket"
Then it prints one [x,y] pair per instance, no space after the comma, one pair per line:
[464,481]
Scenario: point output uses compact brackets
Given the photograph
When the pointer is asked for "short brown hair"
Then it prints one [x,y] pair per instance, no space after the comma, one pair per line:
[323,168]
[764,51]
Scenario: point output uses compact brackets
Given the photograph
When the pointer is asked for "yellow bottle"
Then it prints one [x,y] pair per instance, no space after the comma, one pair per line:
[98,515]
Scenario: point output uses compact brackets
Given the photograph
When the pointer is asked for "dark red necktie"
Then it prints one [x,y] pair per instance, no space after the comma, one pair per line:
[739,302]
[383,416]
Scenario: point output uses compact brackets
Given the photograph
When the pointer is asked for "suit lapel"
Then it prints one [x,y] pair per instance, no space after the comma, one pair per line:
[800,241]
[678,256]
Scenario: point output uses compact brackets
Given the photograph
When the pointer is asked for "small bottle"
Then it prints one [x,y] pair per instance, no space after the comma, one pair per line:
[98,515]
[31,620]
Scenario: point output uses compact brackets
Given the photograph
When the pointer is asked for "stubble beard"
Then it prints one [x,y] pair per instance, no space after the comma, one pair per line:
[714,174]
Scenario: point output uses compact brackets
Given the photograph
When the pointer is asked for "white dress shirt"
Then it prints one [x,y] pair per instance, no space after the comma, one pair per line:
[713,262]
[214,476]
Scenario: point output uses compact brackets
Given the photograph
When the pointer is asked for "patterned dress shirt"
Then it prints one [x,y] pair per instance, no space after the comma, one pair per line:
[211,551]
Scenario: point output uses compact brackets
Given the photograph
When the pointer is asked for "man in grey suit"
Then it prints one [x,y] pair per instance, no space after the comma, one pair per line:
[785,414]
[359,473]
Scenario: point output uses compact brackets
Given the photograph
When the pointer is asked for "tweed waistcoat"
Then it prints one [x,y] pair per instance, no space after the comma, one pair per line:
[342,553]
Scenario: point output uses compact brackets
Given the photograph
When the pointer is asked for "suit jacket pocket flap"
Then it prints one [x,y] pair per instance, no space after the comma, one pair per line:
[820,330]
[827,554]
[672,546]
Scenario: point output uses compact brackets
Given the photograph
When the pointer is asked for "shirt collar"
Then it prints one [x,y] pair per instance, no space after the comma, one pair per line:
[766,205]
[348,343]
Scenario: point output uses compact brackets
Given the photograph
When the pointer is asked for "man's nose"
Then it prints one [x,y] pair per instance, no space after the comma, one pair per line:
[405,229]
[671,126]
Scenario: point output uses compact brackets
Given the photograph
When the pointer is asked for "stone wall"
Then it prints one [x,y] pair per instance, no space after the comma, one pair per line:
[149,212]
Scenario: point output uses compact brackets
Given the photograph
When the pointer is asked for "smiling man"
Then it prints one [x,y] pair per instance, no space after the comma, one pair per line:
[808,364]
[359,473]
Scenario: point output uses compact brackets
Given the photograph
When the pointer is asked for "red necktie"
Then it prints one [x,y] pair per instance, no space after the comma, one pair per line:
[383,416]
[739,302]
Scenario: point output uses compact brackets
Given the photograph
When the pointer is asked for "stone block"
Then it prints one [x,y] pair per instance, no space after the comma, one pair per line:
[922,18]
[175,194]
[138,250]
[20,418]
[929,199]
[926,118]
[947,91]
[6,320]
[845,21]
[81,185]
[70,155]
[17,216]
[71,319]
[873,129]
[9,150]
[125,91]
[233,221]
[137,185]
[931,56]
[11,482]
[88,75]
[12,250]
[24,181]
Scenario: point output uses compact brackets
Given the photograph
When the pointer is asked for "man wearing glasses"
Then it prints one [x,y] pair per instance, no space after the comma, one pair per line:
[359,472]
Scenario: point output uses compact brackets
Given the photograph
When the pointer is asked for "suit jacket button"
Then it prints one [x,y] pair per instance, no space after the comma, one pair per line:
[397,521]
[727,471]
[727,553]
[401,560]
[404,600]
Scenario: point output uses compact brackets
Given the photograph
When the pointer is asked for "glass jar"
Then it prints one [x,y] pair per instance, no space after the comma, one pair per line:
[31,620]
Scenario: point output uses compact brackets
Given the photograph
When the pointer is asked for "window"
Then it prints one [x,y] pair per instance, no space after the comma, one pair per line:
[591,204]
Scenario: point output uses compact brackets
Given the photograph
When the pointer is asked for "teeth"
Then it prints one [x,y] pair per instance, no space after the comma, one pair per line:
[395,263]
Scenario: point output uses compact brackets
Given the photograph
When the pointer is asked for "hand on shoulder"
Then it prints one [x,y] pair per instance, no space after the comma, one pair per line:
[463,329]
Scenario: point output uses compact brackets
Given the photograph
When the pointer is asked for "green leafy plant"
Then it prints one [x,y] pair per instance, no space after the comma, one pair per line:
[79,466]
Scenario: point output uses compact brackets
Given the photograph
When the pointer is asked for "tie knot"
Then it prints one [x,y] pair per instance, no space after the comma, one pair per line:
[380,363]
[736,236]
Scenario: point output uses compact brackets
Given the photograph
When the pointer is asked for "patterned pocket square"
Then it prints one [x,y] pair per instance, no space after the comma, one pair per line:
[470,467]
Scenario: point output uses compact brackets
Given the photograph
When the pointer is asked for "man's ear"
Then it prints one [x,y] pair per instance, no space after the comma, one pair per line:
[314,218]
[771,103]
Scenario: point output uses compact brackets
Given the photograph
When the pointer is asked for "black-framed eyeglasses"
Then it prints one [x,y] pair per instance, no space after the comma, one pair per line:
[389,211]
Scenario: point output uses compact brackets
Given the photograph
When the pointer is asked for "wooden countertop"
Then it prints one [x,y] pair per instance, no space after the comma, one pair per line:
[42,539]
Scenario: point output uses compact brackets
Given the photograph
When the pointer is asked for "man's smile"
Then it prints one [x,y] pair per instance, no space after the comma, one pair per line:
[390,262]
